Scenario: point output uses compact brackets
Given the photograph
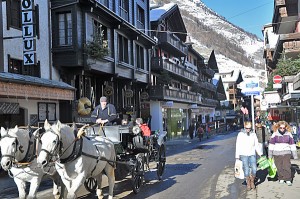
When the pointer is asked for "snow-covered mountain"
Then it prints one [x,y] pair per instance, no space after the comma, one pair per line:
[234,47]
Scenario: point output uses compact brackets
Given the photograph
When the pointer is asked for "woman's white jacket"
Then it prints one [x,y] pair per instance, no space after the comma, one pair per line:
[246,145]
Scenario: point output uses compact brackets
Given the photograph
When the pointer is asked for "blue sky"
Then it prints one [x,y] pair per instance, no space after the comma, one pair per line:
[251,15]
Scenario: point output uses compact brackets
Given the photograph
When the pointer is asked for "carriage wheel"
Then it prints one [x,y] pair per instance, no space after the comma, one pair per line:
[161,161]
[138,174]
[90,184]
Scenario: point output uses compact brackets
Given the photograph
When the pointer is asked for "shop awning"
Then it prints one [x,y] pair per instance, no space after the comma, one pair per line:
[28,87]
[291,96]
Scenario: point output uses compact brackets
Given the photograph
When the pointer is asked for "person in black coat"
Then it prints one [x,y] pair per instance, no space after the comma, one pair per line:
[191,130]
[104,113]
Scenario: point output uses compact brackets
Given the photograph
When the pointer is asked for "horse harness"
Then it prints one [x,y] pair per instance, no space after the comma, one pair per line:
[76,152]
[30,153]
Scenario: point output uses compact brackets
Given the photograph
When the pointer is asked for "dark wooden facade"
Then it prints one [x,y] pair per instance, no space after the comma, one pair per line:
[124,73]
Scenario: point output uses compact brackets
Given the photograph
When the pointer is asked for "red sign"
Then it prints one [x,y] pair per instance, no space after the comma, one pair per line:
[277,79]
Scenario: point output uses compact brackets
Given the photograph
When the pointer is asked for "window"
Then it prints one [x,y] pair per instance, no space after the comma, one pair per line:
[141,15]
[46,111]
[124,9]
[16,66]
[99,29]
[140,57]
[13,8]
[64,29]
[123,49]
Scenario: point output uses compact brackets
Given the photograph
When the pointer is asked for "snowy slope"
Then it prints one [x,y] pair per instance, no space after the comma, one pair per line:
[252,45]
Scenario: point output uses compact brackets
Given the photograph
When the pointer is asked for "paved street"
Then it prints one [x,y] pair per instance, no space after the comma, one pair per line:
[194,170]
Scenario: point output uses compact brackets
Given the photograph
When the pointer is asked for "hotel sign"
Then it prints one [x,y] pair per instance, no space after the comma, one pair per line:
[28,32]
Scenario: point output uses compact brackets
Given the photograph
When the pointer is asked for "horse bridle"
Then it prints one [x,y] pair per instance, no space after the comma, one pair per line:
[56,149]
[12,157]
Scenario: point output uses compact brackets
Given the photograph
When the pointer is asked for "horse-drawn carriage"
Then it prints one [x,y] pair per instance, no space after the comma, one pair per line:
[80,159]
[133,154]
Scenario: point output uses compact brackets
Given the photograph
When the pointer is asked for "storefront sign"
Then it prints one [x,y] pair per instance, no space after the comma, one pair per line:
[167,104]
[9,108]
[28,32]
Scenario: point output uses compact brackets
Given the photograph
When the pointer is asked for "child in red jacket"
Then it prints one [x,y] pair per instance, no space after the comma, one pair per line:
[146,132]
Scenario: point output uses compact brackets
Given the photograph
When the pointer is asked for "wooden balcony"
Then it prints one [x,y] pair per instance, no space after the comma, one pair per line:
[232,91]
[174,68]
[291,48]
[208,71]
[285,15]
[210,102]
[172,44]
[174,94]
[210,87]
[288,43]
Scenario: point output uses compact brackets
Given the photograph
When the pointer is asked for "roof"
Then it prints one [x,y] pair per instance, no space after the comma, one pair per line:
[212,62]
[157,13]
[17,78]
[169,13]
[236,77]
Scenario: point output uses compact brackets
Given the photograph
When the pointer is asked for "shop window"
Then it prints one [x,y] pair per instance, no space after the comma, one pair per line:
[46,111]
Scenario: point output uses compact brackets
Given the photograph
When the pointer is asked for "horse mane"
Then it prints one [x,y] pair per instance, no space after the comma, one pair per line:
[64,128]
[16,132]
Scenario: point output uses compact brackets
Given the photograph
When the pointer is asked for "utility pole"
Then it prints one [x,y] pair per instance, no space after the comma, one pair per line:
[1,40]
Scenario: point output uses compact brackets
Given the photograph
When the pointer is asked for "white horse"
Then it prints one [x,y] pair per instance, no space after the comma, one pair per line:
[96,154]
[19,158]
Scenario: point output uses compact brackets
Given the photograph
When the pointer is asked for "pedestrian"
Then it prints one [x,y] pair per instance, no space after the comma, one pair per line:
[262,137]
[191,130]
[246,146]
[282,147]
[207,130]
[200,132]
[104,113]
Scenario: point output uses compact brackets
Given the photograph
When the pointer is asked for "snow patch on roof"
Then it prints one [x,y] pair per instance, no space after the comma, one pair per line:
[155,14]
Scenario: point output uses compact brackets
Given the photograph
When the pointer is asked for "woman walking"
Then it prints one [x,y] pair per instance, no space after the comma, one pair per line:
[282,147]
[246,146]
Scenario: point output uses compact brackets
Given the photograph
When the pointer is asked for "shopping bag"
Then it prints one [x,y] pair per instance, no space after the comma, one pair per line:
[238,169]
[263,163]
[298,144]
[272,168]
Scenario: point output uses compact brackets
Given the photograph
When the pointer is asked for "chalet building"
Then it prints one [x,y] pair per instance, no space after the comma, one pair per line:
[220,112]
[230,80]
[286,28]
[270,41]
[181,89]
[286,25]
[119,68]
[30,88]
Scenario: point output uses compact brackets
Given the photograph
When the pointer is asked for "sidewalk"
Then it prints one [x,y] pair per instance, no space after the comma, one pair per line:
[269,189]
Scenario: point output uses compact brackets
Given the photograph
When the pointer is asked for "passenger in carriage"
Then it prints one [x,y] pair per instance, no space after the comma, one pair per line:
[146,132]
[104,113]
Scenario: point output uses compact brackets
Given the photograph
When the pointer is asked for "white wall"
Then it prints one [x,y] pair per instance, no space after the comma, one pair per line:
[14,46]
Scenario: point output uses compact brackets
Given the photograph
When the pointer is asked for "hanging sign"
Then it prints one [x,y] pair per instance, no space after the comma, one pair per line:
[28,32]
